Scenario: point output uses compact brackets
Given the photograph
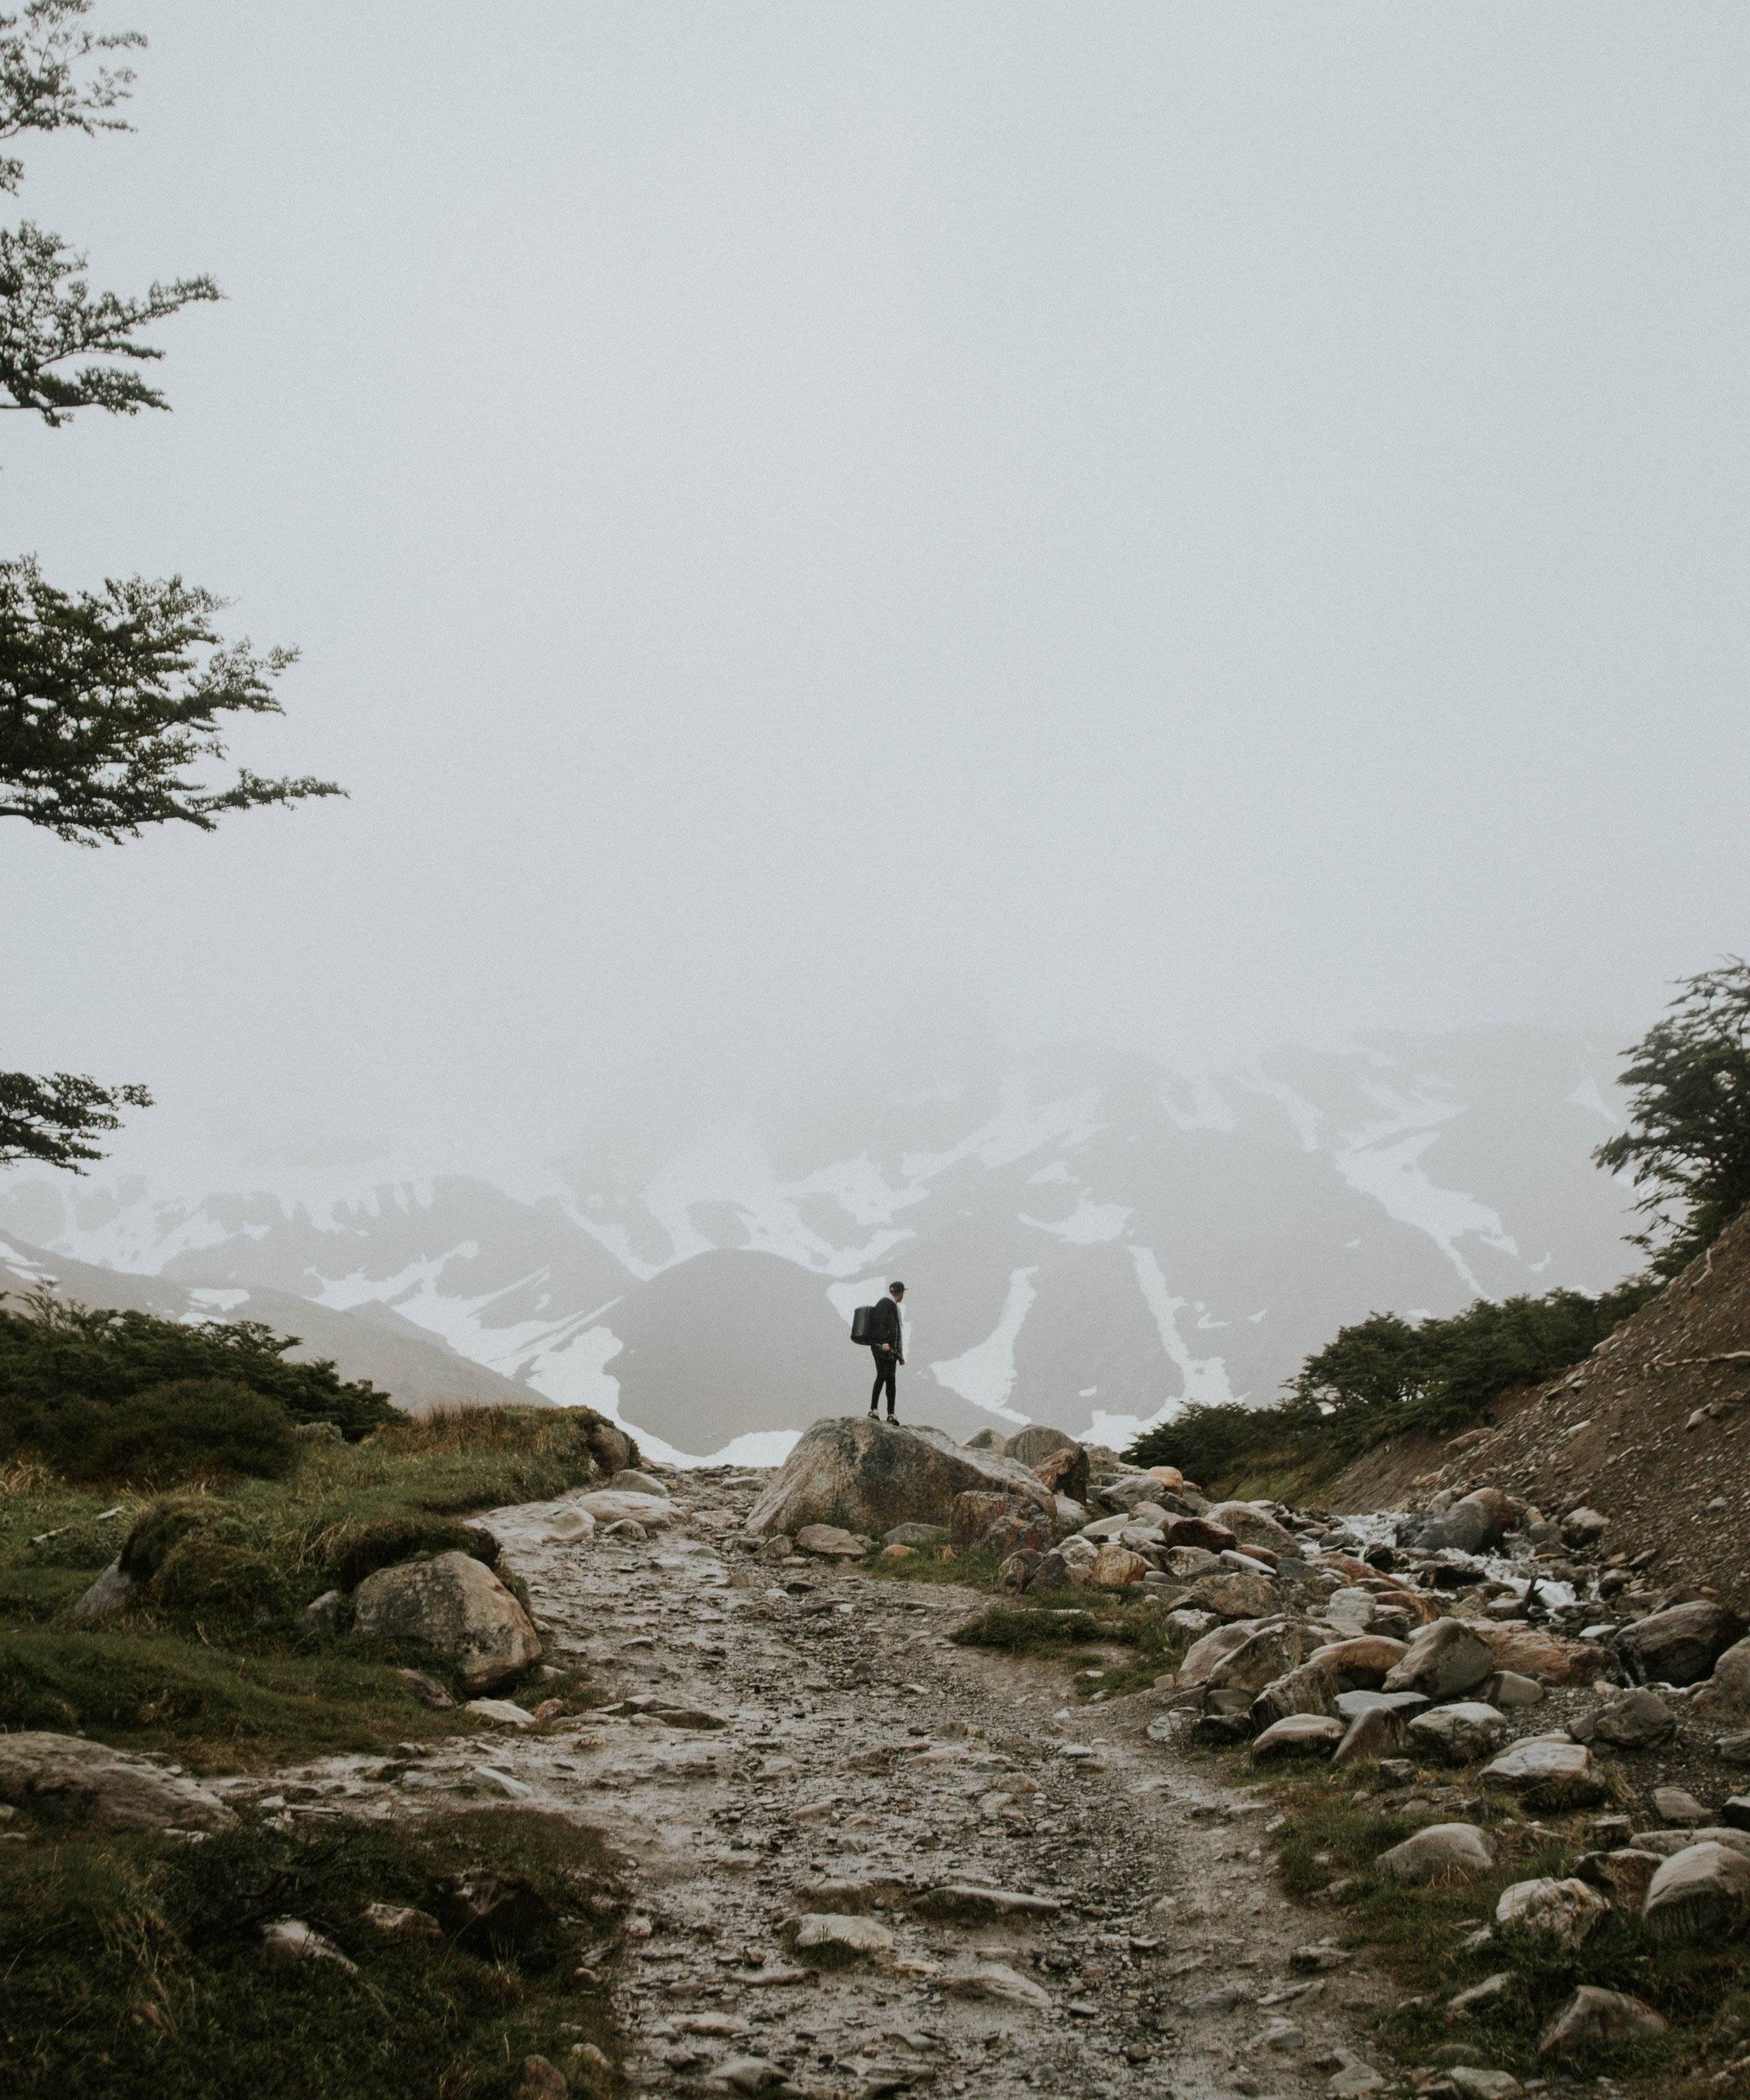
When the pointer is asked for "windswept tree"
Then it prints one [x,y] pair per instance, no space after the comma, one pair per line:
[1687,1143]
[113,704]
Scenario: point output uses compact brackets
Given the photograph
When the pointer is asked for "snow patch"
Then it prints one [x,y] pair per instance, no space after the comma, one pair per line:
[984,1374]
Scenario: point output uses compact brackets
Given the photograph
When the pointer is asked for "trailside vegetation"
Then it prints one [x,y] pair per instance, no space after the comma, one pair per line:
[1687,1142]
[1385,1374]
[127,1395]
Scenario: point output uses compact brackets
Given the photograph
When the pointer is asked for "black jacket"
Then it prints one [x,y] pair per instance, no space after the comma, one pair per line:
[883,1327]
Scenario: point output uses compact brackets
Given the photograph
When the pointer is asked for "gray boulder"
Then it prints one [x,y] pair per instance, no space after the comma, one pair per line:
[1306,1690]
[1702,1893]
[66,1780]
[1459,1734]
[1036,1442]
[1233,1595]
[457,1608]
[1624,1874]
[1271,1650]
[1443,1661]
[1204,1654]
[1562,1913]
[1444,1852]
[1472,1524]
[629,1480]
[1300,1735]
[1546,1772]
[915,1534]
[868,1477]
[112,1592]
[1679,1645]
[1594,2019]
[1731,1681]
[1253,1526]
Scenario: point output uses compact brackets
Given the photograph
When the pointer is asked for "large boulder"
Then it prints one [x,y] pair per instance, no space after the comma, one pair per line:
[868,1476]
[1702,1893]
[1679,1645]
[1199,1532]
[1232,1596]
[1253,1526]
[1633,1720]
[1271,1650]
[1360,1664]
[1204,1654]
[1306,1690]
[1037,1441]
[1472,1524]
[981,1521]
[1299,1735]
[457,1608]
[1064,1473]
[1731,1681]
[1458,1734]
[64,1779]
[1556,1658]
[1443,1661]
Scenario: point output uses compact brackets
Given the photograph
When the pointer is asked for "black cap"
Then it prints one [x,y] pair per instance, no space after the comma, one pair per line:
[896,1286]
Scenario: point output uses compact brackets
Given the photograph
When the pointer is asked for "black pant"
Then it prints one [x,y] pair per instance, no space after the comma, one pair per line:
[887,1368]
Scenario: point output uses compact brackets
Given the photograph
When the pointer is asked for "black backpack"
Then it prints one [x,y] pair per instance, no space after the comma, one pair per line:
[861,1320]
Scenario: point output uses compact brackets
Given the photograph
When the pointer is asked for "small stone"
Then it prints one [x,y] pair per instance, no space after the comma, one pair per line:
[426,1689]
[400,1920]
[1481,1999]
[1594,2018]
[830,1541]
[995,1980]
[1444,1850]
[1676,1805]
[1458,1734]
[1564,1913]
[1547,1774]
[538,2079]
[965,1900]
[504,1713]
[1300,1735]
[749,2074]
[831,1940]
[289,1939]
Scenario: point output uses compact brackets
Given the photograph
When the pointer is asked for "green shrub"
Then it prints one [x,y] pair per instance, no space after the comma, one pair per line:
[1385,1374]
[63,1367]
[195,1429]
[354,1553]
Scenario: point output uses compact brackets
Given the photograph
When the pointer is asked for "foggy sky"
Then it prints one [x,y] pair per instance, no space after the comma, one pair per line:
[1181,525]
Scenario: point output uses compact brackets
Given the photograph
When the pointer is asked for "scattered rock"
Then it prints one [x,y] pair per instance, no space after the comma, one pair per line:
[289,1940]
[1679,1645]
[1624,1874]
[1482,2000]
[1443,1661]
[1300,1735]
[1232,1596]
[324,1615]
[1593,2019]
[1564,1913]
[830,1542]
[915,1535]
[456,1606]
[1444,1850]
[995,1980]
[1116,1567]
[1676,1805]
[1546,1774]
[399,1921]
[830,1940]
[112,1592]
[1632,1720]
[1457,1734]
[629,1481]
[962,1900]
[1702,1893]
[65,1779]
[571,1527]
[611,1506]
[426,1689]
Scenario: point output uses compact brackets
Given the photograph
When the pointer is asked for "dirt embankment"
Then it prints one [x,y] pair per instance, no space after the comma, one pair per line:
[1652,1429]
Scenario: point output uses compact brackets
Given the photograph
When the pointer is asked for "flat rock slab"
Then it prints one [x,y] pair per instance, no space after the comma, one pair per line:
[996,1981]
[962,1899]
[69,1779]
[1546,1774]
[833,1940]
[1444,1850]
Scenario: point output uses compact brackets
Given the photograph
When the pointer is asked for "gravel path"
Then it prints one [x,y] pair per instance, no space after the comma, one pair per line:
[859,1760]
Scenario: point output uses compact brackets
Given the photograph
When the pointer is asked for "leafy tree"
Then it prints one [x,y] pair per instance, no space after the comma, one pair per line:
[1687,1143]
[112,703]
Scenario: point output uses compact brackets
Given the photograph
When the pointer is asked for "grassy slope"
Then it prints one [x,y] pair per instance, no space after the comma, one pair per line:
[130,1963]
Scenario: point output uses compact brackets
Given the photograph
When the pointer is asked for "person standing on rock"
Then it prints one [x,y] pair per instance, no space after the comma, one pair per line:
[887,1342]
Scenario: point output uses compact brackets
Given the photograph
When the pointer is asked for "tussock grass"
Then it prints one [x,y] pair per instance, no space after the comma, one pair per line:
[132,1966]
[211,1660]
[1080,1619]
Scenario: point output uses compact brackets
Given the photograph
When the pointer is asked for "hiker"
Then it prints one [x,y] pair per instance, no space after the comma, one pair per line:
[887,1341]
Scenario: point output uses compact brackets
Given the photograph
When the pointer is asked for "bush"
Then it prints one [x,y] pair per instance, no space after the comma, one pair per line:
[210,1572]
[1384,1375]
[162,1527]
[195,1429]
[64,1367]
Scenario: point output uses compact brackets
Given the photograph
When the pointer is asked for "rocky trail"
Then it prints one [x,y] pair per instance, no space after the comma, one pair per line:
[865,1859]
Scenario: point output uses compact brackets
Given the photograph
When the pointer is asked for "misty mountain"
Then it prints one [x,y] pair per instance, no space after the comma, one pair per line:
[1091,1240]
[374,1342]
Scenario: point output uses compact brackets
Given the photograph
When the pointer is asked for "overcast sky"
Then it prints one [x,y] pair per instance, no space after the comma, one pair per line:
[1186,525]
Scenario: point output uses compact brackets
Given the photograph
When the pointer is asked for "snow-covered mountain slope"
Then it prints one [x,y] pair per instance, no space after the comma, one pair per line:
[1092,1241]
[417,1370]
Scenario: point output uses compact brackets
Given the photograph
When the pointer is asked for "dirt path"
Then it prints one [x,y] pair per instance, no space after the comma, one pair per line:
[862,1760]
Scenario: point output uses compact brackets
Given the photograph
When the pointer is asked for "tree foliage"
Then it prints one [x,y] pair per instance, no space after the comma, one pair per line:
[1687,1143]
[54,1119]
[111,700]
[49,317]
[1385,1374]
[112,703]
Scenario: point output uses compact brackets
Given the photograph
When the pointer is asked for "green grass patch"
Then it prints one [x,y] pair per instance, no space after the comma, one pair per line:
[1418,1934]
[1084,1619]
[936,1563]
[209,1660]
[132,1966]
